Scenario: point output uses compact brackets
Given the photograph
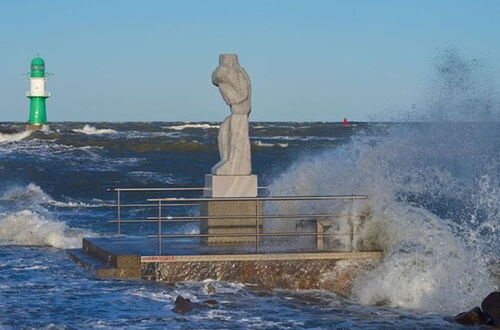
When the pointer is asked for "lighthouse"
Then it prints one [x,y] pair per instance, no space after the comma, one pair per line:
[37,95]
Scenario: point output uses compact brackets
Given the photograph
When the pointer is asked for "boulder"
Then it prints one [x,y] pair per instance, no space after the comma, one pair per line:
[473,317]
[491,308]
[183,305]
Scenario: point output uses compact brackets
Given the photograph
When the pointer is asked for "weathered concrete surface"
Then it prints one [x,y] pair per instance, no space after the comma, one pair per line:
[334,275]
[119,266]
[131,258]
[241,225]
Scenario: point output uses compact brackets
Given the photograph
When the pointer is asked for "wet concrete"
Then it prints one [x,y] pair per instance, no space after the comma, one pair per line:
[188,260]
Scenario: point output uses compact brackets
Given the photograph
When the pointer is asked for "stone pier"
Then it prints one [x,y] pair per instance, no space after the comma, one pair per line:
[182,260]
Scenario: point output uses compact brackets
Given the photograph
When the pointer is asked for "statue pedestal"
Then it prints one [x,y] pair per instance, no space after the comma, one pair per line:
[230,185]
[230,217]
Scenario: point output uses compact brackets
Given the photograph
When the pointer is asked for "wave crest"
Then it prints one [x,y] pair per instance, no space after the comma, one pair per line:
[27,228]
[33,194]
[185,126]
[13,137]
[91,130]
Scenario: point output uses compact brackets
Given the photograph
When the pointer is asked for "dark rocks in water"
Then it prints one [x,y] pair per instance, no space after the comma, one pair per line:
[491,307]
[183,305]
[473,317]
[211,302]
[490,313]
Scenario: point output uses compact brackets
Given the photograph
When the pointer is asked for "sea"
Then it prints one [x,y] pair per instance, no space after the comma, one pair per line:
[434,191]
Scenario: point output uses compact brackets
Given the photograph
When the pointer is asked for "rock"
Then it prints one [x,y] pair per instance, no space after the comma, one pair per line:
[183,305]
[211,302]
[210,289]
[473,317]
[491,308]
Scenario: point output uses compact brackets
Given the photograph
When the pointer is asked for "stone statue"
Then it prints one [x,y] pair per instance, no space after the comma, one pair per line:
[233,139]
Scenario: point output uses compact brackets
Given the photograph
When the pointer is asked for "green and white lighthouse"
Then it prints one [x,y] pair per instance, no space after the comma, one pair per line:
[37,94]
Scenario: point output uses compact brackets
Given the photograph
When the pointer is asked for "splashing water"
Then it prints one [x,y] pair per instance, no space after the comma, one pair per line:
[434,197]
[25,220]
[32,196]
[5,138]
[28,228]
[434,214]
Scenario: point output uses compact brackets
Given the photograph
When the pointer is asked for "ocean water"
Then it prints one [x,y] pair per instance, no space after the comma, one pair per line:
[434,197]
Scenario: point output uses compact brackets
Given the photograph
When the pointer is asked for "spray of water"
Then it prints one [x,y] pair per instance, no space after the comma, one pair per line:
[25,220]
[5,138]
[434,198]
[28,228]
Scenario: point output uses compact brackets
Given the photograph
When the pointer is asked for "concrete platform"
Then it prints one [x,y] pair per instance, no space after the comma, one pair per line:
[188,260]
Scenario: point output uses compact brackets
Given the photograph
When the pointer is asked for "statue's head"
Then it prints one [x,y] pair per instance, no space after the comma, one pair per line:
[228,59]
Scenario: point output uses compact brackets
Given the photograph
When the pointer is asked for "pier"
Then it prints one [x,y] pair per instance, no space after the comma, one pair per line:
[304,251]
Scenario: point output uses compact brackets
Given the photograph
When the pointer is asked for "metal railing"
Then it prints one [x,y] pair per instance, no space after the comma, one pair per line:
[321,219]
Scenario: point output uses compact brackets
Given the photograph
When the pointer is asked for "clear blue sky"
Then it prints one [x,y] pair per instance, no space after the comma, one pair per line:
[308,60]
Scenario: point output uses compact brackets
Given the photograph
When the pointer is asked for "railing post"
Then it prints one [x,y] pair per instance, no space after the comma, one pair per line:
[352,223]
[118,210]
[256,226]
[159,228]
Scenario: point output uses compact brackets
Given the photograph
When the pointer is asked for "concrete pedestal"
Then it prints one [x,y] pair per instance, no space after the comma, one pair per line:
[230,217]
[230,185]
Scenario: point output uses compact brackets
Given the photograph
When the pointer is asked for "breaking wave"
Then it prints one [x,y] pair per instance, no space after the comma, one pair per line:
[259,143]
[433,214]
[32,195]
[434,202]
[28,228]
[91,130]
[185,126]
[14,136]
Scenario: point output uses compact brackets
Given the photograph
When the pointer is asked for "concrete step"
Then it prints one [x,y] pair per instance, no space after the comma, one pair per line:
[85,260]
[104,270]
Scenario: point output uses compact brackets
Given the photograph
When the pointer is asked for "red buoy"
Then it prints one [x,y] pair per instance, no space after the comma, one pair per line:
[345,123]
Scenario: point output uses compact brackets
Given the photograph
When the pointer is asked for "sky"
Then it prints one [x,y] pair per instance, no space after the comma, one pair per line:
[308,60]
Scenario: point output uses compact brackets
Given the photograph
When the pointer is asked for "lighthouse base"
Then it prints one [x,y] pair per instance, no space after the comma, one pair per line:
[37,127]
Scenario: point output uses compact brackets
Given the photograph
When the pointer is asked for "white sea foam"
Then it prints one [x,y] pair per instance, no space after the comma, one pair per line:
[188,125]
[259,143]
[91,130]
[4,138]
[27,228]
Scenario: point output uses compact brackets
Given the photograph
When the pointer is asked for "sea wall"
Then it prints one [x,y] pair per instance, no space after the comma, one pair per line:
[335,275]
